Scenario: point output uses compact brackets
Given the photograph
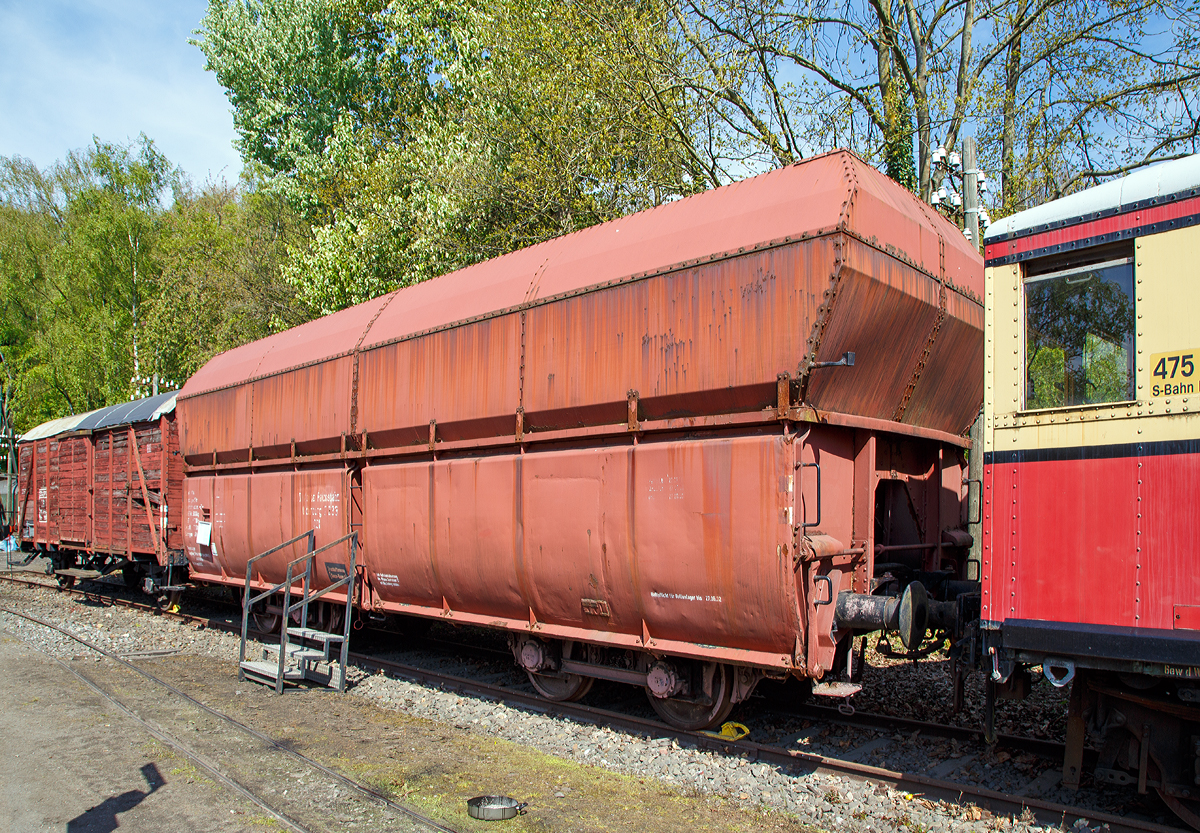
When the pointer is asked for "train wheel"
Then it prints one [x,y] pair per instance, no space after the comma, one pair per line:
[328,618]
[567,688]
[695,715]
[1188,809]
[131,575]
[66,582]
[265,622]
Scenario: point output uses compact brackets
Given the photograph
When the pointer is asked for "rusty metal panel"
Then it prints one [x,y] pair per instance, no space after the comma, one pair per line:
[199,502]
[445,530]
[697,305]
[709,339]
[482,289]
[884,311]
[898,222]
[950,389]
[787,203]
[397,538]
[466,378]
[310,405]
[250,514]
[686,540]
[215,422]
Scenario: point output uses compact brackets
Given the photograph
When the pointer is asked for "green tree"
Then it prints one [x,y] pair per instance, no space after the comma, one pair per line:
[105,284]
[294,69]
[219,251]
[526,120]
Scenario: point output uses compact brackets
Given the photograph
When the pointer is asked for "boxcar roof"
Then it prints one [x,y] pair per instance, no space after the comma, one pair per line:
[1144,187]
[836,191]
[126,413]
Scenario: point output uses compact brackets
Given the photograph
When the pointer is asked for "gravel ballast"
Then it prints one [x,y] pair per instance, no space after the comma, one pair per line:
[826,801]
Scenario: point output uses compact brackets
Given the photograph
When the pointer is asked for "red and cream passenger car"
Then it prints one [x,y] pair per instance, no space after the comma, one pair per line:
[1091,534]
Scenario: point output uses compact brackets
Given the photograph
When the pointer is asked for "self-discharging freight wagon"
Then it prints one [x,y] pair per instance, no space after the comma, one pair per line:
[689,449]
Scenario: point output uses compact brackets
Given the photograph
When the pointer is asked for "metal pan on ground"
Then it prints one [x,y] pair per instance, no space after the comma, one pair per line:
[494,807]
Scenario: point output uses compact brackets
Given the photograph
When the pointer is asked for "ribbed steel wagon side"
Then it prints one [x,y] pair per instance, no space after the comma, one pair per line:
[641,449]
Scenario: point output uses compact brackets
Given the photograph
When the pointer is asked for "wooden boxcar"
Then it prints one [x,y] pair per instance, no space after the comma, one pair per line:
[103,491]
[1090,538]
[686,449]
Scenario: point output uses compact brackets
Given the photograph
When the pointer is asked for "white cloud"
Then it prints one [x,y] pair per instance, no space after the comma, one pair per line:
[71,70]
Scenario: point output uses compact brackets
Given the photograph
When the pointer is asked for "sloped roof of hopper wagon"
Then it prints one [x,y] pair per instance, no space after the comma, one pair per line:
[808,198]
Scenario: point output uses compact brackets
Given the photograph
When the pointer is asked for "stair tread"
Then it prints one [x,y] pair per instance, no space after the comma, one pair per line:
[270,670]
[74,572]
[299,652]
[315,635]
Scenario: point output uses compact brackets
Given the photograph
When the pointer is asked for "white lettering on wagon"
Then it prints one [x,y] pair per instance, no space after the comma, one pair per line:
[321,505]
[685,597]
[664,488]
[387,579]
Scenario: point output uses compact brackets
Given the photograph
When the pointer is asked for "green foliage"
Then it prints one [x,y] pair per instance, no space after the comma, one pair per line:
[220,251]
[102,285]
[491,128]
[294,69]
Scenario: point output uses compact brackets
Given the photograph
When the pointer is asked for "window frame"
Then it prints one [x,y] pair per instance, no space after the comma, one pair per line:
[1086,265]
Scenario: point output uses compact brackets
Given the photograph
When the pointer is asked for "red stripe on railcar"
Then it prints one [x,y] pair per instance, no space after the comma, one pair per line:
[1095,228]
[1091,537]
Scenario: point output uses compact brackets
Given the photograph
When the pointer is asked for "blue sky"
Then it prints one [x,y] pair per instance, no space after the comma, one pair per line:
[114,69]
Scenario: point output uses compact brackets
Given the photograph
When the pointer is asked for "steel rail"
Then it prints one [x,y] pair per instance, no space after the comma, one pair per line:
[1046,812]
[195,757]
[996,802]
[369,792]
[827,714]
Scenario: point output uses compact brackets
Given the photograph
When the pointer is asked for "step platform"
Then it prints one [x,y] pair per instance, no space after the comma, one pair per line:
[267,673]
[314,635]
[77,573]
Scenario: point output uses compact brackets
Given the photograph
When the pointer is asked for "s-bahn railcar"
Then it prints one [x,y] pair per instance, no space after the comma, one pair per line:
[688,449]
[1091,534]
[103,491]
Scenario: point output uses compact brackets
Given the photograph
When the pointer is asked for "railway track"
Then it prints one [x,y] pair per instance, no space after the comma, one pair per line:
[929,787]
[206,762]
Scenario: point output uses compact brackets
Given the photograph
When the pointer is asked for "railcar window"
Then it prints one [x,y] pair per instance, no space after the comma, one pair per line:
[1079,335]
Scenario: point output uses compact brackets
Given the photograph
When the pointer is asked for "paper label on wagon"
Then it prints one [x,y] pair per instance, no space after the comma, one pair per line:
[203,533]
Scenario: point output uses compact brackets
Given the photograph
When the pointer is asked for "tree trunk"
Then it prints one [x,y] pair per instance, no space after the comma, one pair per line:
[1008,133]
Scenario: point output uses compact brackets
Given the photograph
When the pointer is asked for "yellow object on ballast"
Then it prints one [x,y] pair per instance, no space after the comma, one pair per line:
[730,731]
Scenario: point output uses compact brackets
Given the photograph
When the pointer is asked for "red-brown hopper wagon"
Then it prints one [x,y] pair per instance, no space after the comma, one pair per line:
[688,449]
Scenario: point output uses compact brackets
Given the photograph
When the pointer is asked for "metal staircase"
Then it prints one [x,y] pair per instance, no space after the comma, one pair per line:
[302,650]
